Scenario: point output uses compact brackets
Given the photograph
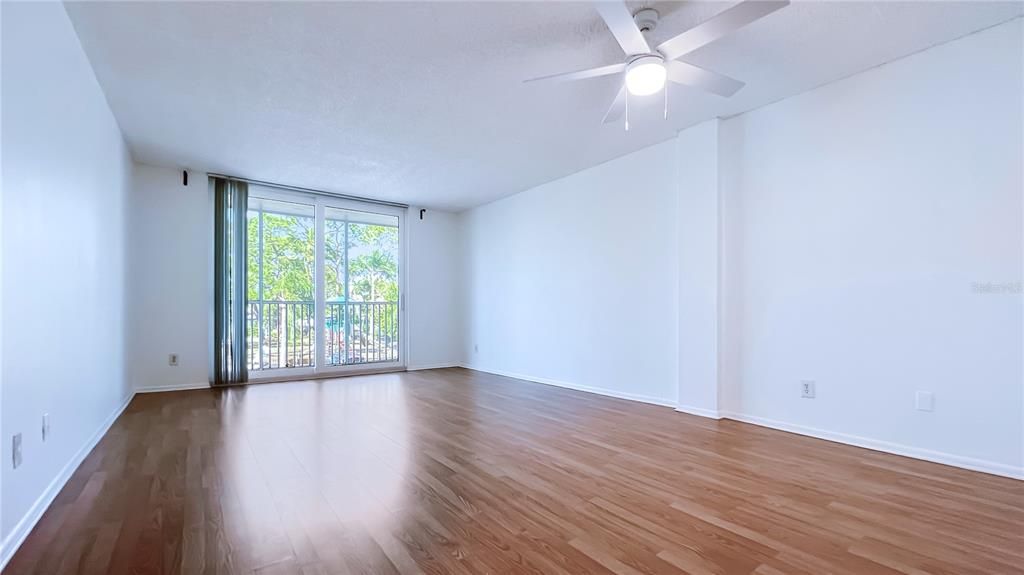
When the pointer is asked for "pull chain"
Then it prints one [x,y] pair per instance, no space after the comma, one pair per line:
[666,100]
[627,110]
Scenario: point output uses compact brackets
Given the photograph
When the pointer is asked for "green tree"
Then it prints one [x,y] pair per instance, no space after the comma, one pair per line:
[375,276]
[288,257]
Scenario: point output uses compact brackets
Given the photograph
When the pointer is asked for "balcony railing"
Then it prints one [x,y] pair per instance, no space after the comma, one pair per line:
[280,334]
[361,332]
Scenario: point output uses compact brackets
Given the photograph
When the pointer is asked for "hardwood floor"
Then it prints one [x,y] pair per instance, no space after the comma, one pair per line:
[454,471]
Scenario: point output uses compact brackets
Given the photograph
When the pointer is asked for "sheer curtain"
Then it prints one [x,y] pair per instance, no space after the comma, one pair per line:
[228,363]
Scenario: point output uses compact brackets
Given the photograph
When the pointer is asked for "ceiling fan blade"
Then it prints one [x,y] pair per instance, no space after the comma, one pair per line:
[581,74]
[719,25]
[621,24]
[617,108]
[690,75]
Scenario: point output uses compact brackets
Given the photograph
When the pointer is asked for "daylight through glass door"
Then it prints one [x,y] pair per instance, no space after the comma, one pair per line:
[316,261]
[361,287]
[280,275]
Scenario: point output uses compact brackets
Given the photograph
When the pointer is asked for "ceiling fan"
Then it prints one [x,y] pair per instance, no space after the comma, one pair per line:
[646,70]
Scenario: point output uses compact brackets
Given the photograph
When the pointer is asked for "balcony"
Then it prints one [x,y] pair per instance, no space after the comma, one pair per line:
[281,334]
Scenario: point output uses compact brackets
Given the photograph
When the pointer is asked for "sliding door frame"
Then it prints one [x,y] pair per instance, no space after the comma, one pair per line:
[320,203]
[321,366]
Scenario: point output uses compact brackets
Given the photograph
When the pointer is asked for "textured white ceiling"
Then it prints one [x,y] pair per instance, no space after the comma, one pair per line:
[424,102]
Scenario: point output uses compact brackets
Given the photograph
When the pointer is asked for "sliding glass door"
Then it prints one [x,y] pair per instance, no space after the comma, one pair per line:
[325,285]
[361,287]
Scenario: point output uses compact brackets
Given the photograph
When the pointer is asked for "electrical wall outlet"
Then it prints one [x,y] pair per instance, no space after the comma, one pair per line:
[172,359]
[807,388]
[925,401]
[46,426]
[16,450]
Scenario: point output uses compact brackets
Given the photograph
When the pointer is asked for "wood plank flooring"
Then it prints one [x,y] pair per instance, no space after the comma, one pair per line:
[455,471]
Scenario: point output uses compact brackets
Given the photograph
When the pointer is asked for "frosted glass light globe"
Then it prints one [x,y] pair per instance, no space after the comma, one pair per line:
[645,75]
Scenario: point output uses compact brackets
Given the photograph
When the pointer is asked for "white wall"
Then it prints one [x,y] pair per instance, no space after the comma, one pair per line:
[171,238]
[3,546]
[696,160]
[433,306]
[66,174]
[862,214]
[574,281]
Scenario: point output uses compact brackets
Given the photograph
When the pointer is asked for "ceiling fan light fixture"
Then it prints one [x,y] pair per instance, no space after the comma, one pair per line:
[646,75]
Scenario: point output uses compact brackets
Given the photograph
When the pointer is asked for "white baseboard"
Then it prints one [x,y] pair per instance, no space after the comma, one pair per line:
[885,446]
[17,535]
[578,387]
[711,413]
[867,443]
[433,366]
[178,387]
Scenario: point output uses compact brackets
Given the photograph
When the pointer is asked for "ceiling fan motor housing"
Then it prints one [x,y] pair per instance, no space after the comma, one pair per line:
[646,19]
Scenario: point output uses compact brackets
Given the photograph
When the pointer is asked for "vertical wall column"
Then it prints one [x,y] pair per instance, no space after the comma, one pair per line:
[699,279]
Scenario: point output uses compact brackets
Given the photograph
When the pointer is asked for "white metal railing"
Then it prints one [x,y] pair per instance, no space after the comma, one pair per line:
[280,334]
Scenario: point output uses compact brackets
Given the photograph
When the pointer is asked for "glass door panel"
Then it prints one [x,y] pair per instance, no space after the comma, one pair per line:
[361,287]
[281,284]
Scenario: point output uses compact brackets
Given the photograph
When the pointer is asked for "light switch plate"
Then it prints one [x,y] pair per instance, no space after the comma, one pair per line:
[807,388]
